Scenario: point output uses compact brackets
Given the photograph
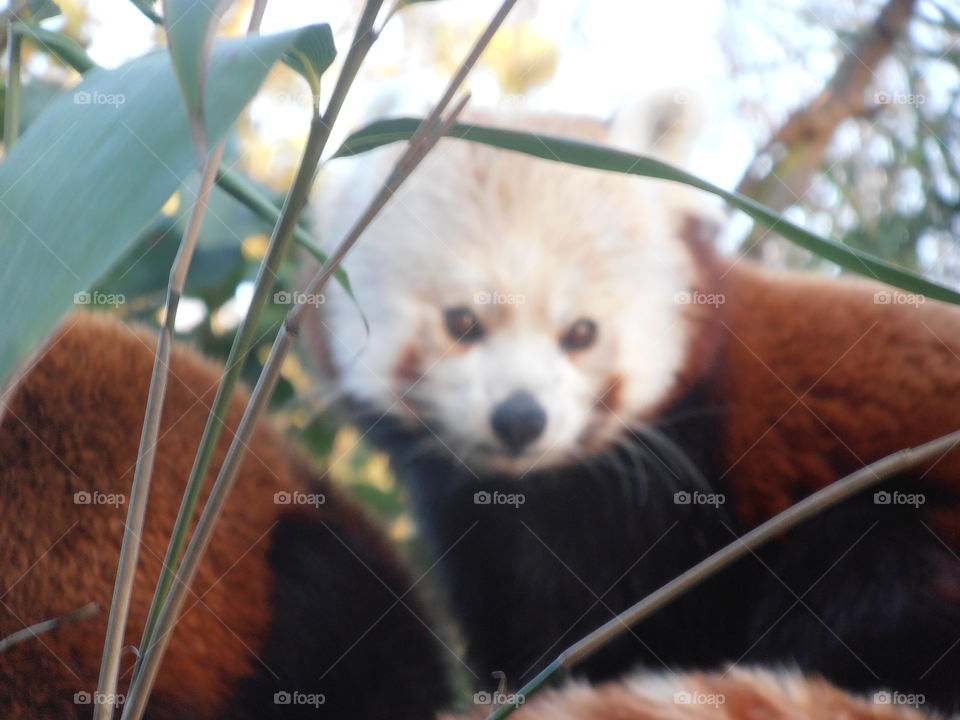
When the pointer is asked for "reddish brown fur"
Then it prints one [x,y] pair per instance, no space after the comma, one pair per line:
[746,695]
[611,399]
[58,555]
[409,368]
[816,380]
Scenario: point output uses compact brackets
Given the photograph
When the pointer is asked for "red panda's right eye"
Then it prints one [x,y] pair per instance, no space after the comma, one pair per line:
[463,324]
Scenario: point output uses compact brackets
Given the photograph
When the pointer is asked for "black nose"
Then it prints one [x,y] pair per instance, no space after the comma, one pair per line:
[518,420]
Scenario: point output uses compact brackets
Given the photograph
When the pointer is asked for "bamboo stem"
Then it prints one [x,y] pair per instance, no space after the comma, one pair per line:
[776,526]
[146,453]
[11,103]
[152,653]
[284,230]
[429,133]
[46,626]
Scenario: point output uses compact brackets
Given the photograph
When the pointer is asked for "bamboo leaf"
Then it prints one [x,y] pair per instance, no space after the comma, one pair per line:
[311,56]
[147,8]
[65,48]
[590,155]
[190,25]
[38,10]
[106,155]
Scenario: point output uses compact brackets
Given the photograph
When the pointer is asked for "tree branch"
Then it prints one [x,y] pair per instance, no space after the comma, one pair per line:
[802,141]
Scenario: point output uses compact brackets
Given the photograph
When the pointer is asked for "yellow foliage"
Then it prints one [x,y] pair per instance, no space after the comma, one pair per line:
[172,204]
[521,58]
[254,247]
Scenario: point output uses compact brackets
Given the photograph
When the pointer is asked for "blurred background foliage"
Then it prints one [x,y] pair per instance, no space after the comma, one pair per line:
[790,116]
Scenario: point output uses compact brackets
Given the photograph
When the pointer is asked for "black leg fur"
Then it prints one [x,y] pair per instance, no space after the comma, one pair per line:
[340,633]
[878,603]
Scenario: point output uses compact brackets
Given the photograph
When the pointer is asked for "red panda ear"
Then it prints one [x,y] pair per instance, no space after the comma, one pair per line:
[663,125]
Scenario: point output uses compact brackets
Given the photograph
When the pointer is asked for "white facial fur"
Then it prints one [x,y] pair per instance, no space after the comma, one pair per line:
[530,246]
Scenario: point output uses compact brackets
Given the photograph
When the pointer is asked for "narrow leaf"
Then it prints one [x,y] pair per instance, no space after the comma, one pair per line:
[60,46]
[190,25]
[590,155]
[310,56]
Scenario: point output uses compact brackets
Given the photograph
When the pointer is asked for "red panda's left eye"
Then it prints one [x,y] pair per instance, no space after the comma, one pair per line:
[463,324]
[580,335]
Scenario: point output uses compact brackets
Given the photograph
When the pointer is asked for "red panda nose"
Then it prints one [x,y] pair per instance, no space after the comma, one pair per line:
[518,420]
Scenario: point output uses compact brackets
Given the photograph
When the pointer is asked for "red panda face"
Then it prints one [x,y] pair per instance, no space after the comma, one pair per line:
[523,313]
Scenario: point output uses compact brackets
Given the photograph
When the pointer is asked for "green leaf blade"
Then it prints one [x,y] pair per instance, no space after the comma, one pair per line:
[599,157]
[94,169]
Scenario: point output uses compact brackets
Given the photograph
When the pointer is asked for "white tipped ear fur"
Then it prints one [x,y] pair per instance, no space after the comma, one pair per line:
[663,125]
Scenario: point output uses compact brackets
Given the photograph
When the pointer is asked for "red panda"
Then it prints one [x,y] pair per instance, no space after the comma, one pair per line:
[585,399]
[300,608]
[737,694]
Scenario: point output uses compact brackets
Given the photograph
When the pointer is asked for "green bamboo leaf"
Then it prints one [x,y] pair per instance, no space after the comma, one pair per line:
[322,54]
[65,48]
[38,10]
[190,26]
[590,155]
[147,8]
[311,56]
[106,155]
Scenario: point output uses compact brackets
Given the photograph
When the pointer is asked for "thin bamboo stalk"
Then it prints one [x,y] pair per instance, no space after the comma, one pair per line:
[146,454]
[429,133]
[280,239]
[776,526]
[11,102]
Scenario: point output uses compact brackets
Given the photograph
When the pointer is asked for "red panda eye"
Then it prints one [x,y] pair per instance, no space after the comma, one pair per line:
[463,324]
[580,335]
